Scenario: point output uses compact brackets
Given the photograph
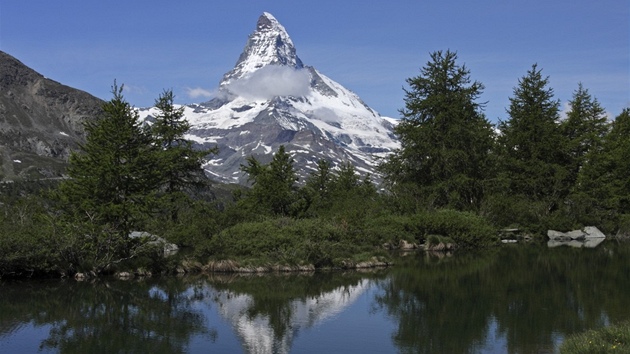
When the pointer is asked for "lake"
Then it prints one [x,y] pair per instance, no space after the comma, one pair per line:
[514,299]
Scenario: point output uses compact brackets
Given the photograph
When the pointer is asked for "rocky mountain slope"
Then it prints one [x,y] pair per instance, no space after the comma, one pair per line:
[40,121]
[270,98]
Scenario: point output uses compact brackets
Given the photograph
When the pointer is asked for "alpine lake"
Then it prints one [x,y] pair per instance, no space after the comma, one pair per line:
[522,298]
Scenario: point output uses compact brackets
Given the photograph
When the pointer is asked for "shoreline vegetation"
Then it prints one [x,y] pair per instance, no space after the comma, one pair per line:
[455,181]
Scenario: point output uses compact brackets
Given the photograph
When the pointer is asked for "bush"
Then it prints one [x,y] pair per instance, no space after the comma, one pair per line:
[466,229]
[284,241]
[613,339]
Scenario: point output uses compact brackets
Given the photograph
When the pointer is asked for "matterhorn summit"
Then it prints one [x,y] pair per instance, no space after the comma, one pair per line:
[270,44]
[270,98]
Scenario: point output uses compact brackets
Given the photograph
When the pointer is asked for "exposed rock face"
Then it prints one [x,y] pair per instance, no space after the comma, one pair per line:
[270,98]
[40,121]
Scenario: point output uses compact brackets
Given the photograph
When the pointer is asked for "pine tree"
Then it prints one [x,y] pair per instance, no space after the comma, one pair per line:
[179,164]
[111,182]
[532,159]
[274,189]
[603,187]
[445,138]
[584,128]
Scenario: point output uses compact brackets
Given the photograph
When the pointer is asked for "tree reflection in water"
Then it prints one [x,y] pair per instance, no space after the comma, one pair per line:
[107,316]
[528,297]
[521,299]
[267,312]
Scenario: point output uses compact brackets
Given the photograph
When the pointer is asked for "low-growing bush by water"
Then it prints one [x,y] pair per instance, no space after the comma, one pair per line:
[613,339]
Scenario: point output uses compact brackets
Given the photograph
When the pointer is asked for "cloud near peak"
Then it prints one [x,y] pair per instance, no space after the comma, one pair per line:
[271,81]
[198,92]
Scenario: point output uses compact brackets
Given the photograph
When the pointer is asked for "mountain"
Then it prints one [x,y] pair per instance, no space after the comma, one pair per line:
[270,98]
[40,121]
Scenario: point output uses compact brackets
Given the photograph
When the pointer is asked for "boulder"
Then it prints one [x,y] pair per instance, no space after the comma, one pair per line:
[585,233]
[588,237]
[404,245]
[168,248]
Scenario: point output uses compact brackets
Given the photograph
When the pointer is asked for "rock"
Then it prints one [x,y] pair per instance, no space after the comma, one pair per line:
[587,232]
[588,237]
[404,245]
[168,248]
[123,275]
[592,231]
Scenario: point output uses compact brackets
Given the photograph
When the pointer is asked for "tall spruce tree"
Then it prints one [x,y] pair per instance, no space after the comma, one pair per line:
[584,128]
[445,139]
[179,168]
[603,186]
[532,162]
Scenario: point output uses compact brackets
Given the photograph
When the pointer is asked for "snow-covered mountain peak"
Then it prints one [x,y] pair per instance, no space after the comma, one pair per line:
[270,98]
[269,44]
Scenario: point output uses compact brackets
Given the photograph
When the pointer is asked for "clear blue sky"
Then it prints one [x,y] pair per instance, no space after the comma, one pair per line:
[370,47]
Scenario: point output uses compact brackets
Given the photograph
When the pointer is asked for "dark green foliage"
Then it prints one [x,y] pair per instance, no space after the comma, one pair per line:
[28,242]
[532,161]
[585,128]
[274,189]
[466,229]
[179,165]
[603,188]
[286,241]
[113,178]
[196,221]
[611,339]
[445,138]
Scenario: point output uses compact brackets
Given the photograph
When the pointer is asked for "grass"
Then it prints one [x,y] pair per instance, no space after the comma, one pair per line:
[612,339]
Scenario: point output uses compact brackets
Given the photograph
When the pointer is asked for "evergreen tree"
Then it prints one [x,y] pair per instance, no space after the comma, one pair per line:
[316,192]
[179,164]
[603,188]
[532,159]
[445,138]
[111,181]
[273,186]
[584,128]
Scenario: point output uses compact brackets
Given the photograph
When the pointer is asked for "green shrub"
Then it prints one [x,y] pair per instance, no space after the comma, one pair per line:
[284,241]
[613,339]
[466,229]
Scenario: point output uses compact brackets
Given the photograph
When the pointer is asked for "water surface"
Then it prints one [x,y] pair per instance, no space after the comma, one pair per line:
[516,299]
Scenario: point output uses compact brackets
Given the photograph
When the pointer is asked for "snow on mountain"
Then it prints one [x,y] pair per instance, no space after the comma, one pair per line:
[270,98]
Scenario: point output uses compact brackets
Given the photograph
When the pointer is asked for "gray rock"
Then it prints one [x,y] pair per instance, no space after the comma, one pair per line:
[41,121]
[588,237]
[587,232]
[168,248]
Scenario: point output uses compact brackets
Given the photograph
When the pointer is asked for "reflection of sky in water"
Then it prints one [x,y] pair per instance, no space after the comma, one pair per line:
[345,312]
[25,338]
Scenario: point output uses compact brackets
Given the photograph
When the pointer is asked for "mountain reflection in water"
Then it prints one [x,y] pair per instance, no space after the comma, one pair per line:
[513,299]
[258,332]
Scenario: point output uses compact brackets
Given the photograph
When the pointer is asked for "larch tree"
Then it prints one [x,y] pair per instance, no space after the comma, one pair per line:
[603,184]
[532,154]
[585,127]
[179,165]
[111,184]
[445,139]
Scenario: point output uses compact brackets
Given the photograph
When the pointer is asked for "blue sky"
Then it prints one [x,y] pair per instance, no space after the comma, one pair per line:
[370,47]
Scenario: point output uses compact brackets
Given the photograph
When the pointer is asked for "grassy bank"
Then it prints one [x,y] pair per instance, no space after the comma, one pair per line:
[612,339]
